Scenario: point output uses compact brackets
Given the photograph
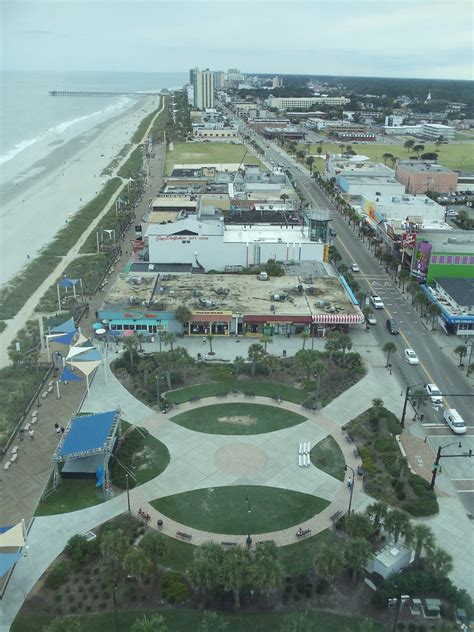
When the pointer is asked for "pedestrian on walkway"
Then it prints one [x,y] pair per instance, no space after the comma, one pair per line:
[349,483]
[31,432]
[62,429]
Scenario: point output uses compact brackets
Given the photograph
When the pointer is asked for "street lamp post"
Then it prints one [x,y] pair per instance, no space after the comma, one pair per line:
[249,511]
[439,456]
[407,395]
[158,390]
[114,589]
[128,492]
[348,467]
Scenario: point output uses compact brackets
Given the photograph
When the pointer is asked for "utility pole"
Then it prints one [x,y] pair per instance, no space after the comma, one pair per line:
[439,456]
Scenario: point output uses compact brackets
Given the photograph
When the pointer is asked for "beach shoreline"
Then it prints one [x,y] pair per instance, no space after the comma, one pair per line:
[39,200]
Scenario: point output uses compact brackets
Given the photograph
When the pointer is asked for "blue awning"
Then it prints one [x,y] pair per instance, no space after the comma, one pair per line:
[66,339]
[65,327]
[87,356]
[7,560]
[68,376]
[88,432]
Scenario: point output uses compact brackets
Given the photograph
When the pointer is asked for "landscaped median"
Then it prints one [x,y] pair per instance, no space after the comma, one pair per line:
[246,387]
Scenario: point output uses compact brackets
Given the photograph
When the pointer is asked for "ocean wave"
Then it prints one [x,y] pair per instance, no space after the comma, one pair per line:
[121,104]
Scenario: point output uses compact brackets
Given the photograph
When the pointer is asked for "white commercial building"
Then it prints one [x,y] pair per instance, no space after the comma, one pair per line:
[203,89]
[338,164]
[357,185]
[433,131]
[394,120]
[402,130]
[412,208]
[304,103]
[213,245]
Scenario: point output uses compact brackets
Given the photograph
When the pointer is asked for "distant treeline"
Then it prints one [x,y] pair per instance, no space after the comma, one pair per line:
[440,89]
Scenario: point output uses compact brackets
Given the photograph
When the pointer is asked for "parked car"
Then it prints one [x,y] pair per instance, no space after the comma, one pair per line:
[410,356]
[434,393]
[371,319]
[392,326]
[376,301]
[355,267]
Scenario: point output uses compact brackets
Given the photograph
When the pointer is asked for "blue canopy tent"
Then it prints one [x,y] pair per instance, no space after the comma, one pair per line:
[65,339]
[68,376]
[65,328]
[86,445]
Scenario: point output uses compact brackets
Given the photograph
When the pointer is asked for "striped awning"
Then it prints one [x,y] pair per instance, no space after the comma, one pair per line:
[338,319]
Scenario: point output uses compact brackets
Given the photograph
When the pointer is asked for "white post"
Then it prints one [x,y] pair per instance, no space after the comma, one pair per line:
[58,394]
[74,290]
[48,349]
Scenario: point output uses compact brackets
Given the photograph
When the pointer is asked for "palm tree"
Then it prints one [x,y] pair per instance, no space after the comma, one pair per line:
[389,348]
[206,565]
[234,571]
[114,546]
[182,314]
[309,162]
[169,338]
[329,561]
[271,362]
[267,571]
[266,340]
[332,344]
[137,564]
[461,351]
[153,545]
[284,197]
[212,622]
[438,563]
[358,524]
[357,553]
[434,311]
[209,339]
[304,335]
[140,338]
[413,287]
[130,345]
[239,363]
[319,149]
[421,537]
[418,149]
[397,523]
[403,278]
[387,157]
[345,343]
[368,311]
[377,512]
[255,354]
[153,623]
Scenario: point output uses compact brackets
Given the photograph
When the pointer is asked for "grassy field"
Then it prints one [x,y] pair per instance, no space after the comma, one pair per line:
[196,153]
[181,620]
[454,155]
[71,495]
[298,558]
[263,389]
[224,509]
[238,419]
[327,456]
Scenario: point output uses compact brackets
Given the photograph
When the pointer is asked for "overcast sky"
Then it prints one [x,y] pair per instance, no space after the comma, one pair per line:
[402,38]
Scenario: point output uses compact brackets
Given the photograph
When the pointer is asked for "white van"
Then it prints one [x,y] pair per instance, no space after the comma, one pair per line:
[454,421]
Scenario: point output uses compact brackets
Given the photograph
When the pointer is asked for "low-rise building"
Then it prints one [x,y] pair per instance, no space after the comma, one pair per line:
[215,133]
[420,176]
[455,298]
[434,131]
[353,165]
[443,255]
[390,560]
[356,185]
[413,209]
[228,304]
[304,103]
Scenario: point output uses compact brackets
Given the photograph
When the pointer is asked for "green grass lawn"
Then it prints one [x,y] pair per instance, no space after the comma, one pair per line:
[224,510]
[263,389]
[454,155]
[327,456]
[71,495]
[238,419]
[197,153]
[182,620]
[298,558]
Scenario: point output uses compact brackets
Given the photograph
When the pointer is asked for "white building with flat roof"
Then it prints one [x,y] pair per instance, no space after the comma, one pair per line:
[210,244]
[304,103]
[433,131]
[414,208]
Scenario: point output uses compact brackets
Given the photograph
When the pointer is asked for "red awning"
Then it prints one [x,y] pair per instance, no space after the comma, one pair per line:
[338,319]
[210,318]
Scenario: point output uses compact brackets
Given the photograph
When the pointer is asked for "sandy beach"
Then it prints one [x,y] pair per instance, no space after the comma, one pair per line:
[38,199]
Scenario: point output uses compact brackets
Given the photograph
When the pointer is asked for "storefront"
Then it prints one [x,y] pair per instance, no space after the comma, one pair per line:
[323,322]
[216,323]
[273,325]
[139,320]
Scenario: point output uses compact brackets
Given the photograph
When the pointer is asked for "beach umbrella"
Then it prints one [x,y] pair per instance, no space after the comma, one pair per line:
[97,326]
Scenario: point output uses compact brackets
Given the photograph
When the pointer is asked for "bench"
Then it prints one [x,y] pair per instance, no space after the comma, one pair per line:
[229,543]
[13,457]
[336,516]
[303,533]
[356,453]
[186,536]
[7,465]
[15,450]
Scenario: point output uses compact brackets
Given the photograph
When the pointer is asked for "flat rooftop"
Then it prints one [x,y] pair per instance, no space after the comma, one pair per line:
[455,241]
[423,167]
[391,553]
[363,178]
[461,290]
[239,294]
[262,233]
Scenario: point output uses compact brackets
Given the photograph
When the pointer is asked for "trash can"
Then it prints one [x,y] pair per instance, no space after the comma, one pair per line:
[284,353]
[159,523]
[199,356]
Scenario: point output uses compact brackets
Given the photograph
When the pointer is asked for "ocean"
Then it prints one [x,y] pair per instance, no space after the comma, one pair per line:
[29,115]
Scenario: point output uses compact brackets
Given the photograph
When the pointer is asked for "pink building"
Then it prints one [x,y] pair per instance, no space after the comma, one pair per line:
[421,176]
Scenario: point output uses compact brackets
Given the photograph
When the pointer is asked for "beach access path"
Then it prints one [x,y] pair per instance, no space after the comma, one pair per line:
[27,311]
